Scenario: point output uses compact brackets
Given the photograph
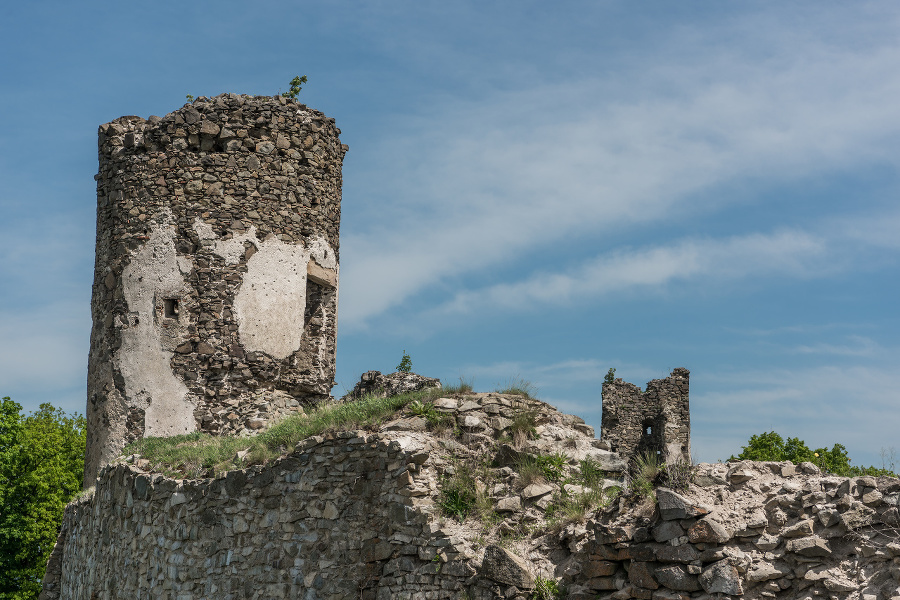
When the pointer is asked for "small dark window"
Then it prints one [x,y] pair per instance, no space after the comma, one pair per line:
[170,308]
[648,430]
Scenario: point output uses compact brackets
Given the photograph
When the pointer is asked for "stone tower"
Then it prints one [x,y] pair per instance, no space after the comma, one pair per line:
[655,422]
[215,283]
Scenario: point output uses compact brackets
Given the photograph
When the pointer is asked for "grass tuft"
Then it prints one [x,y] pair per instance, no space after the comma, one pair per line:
[646,471]
[523,427]
[679,474]
[536,468]
[464,493]
[516,386]
[465,386]
[546,589]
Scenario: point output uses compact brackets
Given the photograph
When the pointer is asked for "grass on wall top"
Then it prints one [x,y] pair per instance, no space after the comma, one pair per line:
[203,455]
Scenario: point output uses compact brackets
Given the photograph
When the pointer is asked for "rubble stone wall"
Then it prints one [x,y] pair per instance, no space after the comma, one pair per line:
[215,285]
[358,515]
[656,421]
[339,518]
[746,530]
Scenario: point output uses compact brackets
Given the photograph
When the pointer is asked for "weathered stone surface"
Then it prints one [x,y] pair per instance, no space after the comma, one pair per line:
[536,490]
[858,515]
[802,529]
[503,566]
[684,553]
[809,546]
[510,504]
[599,568]
[676,577]
[448,404]
[767,542]
[708,531]
[641,575]
[673,505]
[740,475]
[721,578]
[667,530]
[765,571]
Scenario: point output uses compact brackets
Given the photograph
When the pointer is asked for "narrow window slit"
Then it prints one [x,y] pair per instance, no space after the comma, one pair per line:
[170,308]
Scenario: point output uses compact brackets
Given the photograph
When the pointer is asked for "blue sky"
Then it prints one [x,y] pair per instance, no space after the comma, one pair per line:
[533,190]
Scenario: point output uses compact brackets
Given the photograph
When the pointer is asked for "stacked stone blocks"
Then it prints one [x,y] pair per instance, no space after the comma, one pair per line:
[655,422]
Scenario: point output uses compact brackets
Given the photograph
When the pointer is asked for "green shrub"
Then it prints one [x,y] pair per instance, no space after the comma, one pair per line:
[538,468]
[590,475]
[462,495]
[610,377]
[294,90]
[41,470]
[644,474]
[435,419]
[772,447]
[405,365]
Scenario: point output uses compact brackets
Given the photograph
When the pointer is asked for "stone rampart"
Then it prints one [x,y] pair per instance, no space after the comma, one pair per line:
[359,515]
[352,515]
[338,518]
[215,285]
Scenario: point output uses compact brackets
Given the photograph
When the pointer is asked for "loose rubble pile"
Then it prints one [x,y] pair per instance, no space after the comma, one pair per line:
[361,514]
[754,530]
[373,383]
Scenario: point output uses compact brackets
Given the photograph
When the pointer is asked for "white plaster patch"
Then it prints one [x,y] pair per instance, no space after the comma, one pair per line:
[320,250]
[154,271]
[271,302]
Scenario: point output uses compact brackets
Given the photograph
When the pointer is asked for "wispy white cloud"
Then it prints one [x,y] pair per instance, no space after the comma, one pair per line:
[519,172]
[854,345]
[784,253]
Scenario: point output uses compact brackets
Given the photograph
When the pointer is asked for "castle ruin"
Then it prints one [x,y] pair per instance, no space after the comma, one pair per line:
[656,422]
[215,284]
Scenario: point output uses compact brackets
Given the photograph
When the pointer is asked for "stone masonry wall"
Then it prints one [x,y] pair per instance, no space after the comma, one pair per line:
[656,421]
[215,285]
[338,518]
[353,515]
[357,515]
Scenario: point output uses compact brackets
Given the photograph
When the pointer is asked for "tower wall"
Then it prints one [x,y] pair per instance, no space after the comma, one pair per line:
[656,421]
[215,285]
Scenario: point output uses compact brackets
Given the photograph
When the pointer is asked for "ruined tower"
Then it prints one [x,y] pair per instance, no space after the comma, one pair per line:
[215,283]
[653,422]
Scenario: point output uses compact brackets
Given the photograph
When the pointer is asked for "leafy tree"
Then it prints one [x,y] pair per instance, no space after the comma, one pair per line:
[771,446]
[41,469]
